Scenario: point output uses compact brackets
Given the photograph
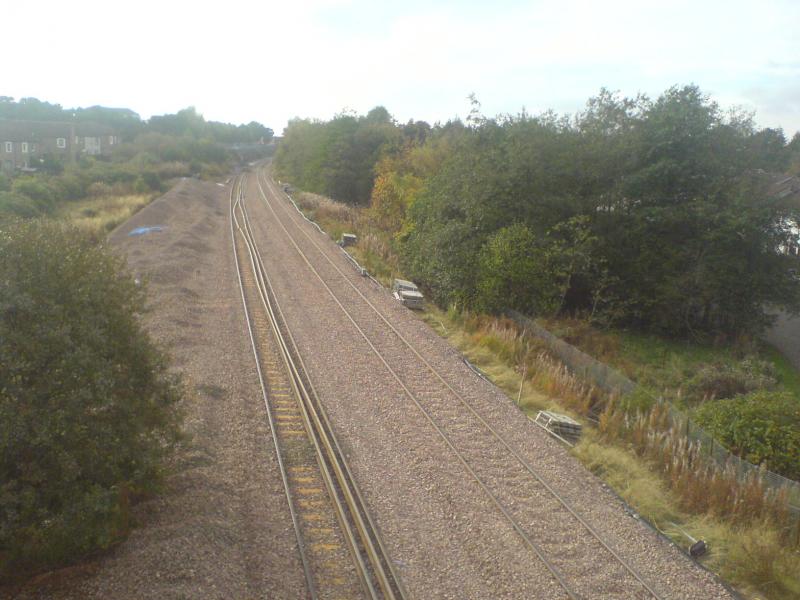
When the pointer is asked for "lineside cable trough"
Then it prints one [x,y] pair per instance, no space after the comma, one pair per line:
[348,239]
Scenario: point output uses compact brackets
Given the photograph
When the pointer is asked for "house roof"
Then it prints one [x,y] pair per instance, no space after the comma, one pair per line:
[22,131]
[784,187]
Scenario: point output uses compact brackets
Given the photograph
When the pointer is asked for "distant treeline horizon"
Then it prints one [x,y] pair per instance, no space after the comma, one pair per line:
[129,124]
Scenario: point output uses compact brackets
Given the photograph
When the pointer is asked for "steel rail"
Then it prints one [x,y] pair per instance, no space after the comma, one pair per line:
[327,440]
[340,481]
[390,583]
[270,417]
[323,468]
[322,465]
[522,461]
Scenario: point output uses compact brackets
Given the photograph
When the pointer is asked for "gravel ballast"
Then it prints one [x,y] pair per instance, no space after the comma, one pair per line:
[447,536]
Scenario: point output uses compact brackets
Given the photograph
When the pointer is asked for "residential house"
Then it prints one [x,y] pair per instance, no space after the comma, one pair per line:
[24,143]
[787,189]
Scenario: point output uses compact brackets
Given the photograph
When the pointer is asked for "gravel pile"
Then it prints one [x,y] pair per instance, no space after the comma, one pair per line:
[447,537]
[221,529]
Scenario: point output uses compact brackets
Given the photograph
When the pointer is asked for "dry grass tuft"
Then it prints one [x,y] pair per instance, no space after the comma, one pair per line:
[100,214]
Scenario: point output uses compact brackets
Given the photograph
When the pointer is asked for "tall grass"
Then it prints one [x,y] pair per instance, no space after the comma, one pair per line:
[98,215]
[687,372]
[334,217]
[374,250]
[703,486]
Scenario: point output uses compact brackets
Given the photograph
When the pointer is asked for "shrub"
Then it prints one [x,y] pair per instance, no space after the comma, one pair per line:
[100,189]
[17,205]
[87,407]
[40,194]
[51,164]
[513,273]
[71,186]
[729,380]
[762,427]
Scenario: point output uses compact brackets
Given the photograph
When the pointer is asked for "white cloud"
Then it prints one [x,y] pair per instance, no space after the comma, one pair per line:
[270,61]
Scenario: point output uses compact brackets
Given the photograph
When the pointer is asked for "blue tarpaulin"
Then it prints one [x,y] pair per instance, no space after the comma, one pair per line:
[146,230]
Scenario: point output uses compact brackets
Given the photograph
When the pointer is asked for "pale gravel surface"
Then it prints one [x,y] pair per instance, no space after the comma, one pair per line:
[221,529]
[410,478]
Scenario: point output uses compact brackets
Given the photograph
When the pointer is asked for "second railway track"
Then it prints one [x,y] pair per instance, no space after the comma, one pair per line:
[338,545]
[578,558]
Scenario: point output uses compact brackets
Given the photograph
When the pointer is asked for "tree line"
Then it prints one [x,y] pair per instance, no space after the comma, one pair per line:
[153,153]
[651,213]
[128,124]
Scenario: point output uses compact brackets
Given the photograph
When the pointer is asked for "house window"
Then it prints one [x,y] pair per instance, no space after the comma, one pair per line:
[9,146]
[24,147]
[77,140]
[111,140]
[33,148]
[61,142]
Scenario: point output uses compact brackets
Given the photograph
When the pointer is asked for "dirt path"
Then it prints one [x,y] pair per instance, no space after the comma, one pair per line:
[221,529]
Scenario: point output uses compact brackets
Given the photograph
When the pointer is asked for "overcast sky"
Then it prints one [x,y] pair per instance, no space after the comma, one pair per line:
[270,61]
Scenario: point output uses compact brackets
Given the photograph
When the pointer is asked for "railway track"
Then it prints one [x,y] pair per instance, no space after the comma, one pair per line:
[582,563]
[340,550]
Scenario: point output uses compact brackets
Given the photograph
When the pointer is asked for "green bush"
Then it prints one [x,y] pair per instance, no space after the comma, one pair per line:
[88,409]
[40,194]
[762,427]
[513,272]
[71,186]
[17,205]
[149,181]
[731,379]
